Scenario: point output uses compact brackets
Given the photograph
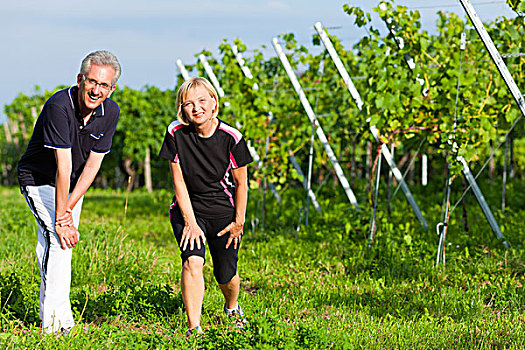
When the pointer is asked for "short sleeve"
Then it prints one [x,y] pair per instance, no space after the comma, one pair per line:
[56,126]
[240,155]
[105,141]
[169,147]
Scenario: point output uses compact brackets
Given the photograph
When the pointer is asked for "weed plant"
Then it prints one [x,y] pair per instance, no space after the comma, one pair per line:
[317,286]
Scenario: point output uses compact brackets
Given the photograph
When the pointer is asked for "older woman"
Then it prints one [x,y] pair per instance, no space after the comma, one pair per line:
[208,161]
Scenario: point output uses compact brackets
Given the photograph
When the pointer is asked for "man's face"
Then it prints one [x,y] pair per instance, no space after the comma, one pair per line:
[95,86]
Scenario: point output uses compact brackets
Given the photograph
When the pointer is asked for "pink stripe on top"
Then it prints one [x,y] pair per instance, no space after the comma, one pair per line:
[233,162]
[236,134]
[228,193]
[174,126]
[176,160]
[173,204]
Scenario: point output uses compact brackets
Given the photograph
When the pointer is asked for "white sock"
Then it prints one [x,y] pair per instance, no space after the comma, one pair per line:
[231,310]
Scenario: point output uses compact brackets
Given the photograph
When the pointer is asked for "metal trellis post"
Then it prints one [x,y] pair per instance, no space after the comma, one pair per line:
[511,84]
[183,71]
[247,73]
[483,204]
[494,54]
[319,131]
[466,170]
[357,98]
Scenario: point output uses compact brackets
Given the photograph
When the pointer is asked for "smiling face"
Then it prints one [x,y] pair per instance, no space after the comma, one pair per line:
[199,106]
[94,87]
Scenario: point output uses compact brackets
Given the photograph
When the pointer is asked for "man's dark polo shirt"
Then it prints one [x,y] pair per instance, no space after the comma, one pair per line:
[61,126]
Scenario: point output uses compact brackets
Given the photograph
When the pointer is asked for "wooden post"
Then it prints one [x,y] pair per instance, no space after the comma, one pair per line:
[411,168]
[22,126]
[353,166]
[14,131]
[512,171]
[492,163]
[7,132]
[368,161]
[147,171]
[131,173]
[34,115]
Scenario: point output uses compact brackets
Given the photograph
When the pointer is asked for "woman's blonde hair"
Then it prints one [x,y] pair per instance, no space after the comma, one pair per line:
[189,84]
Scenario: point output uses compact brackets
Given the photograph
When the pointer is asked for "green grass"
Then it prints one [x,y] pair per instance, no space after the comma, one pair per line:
[318,288]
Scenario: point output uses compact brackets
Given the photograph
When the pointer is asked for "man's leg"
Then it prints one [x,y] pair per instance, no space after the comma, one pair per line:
[192,287]
[54,262]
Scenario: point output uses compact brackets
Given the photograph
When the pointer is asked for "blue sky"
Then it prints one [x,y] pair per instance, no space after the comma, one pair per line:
[44,41]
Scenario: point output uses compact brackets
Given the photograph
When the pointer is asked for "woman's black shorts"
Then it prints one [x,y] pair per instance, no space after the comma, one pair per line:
[224,260]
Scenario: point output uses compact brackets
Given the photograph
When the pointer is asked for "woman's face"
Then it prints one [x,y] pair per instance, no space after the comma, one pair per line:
[198,106]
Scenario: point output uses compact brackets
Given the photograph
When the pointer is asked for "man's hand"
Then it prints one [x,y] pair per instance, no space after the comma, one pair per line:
[66,219]
[68,235]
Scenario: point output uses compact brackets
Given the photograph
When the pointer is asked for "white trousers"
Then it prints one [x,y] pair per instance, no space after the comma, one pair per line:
[53,261]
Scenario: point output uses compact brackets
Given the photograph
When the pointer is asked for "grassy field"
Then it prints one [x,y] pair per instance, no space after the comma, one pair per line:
[320,287]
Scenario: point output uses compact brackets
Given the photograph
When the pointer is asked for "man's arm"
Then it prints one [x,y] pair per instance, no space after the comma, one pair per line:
[85,180]
[68,235]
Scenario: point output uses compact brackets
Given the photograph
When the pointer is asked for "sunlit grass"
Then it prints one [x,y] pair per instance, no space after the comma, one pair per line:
[316,288]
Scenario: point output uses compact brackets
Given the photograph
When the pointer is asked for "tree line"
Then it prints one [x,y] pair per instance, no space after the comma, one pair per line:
[466,101]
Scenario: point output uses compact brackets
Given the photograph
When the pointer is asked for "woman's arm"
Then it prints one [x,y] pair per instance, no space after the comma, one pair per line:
[192,232]
[240,177]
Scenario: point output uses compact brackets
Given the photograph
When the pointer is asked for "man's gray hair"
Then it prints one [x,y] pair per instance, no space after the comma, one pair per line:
[101,58]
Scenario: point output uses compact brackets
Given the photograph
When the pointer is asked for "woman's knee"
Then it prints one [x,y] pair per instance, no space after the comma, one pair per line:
[225,275]
[193,265]
[228,282]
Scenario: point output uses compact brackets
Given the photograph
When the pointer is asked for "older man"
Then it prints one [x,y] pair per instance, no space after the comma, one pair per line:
[69,141]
